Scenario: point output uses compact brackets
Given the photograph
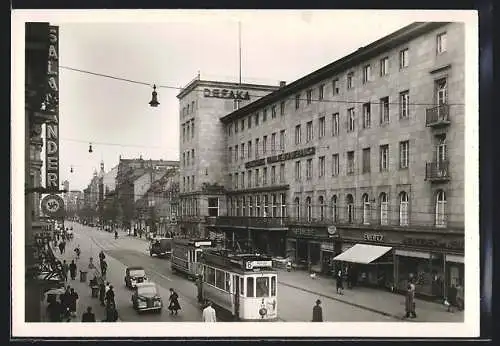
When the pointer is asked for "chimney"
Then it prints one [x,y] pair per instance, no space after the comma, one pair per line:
[282,83]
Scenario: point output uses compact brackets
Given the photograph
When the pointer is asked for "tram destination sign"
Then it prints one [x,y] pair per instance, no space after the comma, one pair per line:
[282,157]
[258,264]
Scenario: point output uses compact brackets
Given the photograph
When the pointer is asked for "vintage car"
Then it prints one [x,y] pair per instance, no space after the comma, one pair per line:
[160,246]
[146,297]
[134,276]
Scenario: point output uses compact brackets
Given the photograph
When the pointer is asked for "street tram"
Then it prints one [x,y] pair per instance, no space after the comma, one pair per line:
[245,285]
[186,255]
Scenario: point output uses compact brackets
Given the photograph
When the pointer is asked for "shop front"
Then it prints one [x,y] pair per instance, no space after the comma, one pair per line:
[391,258]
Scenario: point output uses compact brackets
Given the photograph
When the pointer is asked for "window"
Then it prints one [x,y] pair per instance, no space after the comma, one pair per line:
[321,166]
[187,109]
[321,208]
[236,153]
[367,115]
[404,104]
[192,182]
[282,173]
[440,209]
[243,206]
[282,108]
[309,168]
[238,206]
[308,209]
[257,205]
[249,121]
[297,134]
[257,119]
[250,287]
[309,96]
[249,149]
[187,158]
[264,176]
[441,43]
[403,58]
[242,180]
[262,287]
[183,159]
[236,127]
[192,128]
[230,159]
[242,125]
[282,140]
[350,162]
[366,209]
[183,132]
[249,179]
[242,147]
[213,206]
[335,124]
[242,287]
[297,170]
[230,180]
[264,115]
[321,127]
[350,76]
[351,120]
[274,205]
[297,207]
[273,112]
[266,205]
[384,209]
[230,129]
[219,279]
[283,204]
[349,208]
[384,158]
[236,180]
[192,106]
[210,275]
[321,89]
[335,165]
[366,160]
[250,210]
[227,281]
[257,148]
[335,87]
[404,150]
[309,131]
[403,209]
[367,72]
[384,110]
[334,209]
[441,92]
[192,155]
[257,178]
[236,104]
[297,101]
[264,145]
[384,66]
[273,175]
[273,143]
[184,183]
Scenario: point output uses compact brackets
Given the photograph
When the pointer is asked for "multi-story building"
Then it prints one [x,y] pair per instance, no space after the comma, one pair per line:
[202,146]
[366,150]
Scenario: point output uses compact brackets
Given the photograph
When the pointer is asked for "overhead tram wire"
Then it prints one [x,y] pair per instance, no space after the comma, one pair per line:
[288,98]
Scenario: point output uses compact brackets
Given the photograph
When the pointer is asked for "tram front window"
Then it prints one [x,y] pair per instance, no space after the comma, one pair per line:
[273,286]
[262,287]
[250,287]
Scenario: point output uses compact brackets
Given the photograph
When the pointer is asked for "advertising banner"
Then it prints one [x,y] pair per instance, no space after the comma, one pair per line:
[52,105]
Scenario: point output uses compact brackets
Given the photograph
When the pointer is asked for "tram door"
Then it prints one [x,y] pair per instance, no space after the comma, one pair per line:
[236,295]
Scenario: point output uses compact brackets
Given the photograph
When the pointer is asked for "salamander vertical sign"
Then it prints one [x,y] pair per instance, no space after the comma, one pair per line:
[52,106]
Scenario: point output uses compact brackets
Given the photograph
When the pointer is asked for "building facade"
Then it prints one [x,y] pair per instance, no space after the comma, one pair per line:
[366,150]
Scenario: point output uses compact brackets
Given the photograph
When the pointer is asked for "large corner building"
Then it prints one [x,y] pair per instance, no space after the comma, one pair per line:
[366,150]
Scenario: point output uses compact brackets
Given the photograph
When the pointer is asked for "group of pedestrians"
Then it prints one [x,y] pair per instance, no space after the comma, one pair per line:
[65,308]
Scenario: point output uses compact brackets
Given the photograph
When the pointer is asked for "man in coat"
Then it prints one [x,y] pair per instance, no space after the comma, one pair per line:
[88,316]
[410,301]
[209,313]
[72,269]
[317,312]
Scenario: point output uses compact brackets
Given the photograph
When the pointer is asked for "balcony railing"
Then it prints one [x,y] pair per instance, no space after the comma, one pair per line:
[247,221]
[438,116]
[437,171]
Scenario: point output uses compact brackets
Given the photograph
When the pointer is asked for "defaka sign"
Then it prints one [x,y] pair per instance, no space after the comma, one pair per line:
[52,105]
[226,94]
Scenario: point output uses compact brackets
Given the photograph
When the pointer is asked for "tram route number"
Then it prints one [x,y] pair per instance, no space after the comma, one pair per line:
[258,264]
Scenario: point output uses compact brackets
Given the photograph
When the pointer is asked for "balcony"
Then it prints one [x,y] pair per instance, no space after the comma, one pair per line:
[437,171]
[438,116]
[247,221]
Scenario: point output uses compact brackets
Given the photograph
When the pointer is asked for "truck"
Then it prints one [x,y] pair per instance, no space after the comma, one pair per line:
[160,246]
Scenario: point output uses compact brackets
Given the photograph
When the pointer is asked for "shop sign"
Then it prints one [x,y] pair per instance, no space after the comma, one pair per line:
[255,163]
[373,237]
[292,155]
[443,244]
[52,105]
[303,232]
[327,247]
[226,94]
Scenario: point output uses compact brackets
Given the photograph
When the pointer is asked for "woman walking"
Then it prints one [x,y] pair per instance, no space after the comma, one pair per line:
[340,285]
[174,302]
[72,270]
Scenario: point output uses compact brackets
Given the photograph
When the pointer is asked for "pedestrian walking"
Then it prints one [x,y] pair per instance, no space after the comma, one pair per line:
[54,310]
[73,299]
[111,313]
[339,283]
[102,256]
[410,301]
[102,291]
[460,295]
[61,247]
[209,313]
[88,316]
[72,269]
[104,268]
[174,306]
[110,296]
[65,268]
[91,263]
[317,312]
[77,251]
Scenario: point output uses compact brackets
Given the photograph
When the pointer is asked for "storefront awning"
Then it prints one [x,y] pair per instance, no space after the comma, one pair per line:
[362,253]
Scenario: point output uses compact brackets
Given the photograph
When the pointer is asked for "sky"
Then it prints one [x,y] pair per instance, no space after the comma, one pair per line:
[169,48]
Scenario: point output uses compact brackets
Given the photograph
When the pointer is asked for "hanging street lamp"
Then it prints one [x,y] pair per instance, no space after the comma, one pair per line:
[154,100]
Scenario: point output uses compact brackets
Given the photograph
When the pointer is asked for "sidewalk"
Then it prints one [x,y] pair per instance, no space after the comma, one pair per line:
[378,301]
[85,298]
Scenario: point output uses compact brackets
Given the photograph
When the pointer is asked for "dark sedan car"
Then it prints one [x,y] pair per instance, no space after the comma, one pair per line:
[134,276]
[146,298]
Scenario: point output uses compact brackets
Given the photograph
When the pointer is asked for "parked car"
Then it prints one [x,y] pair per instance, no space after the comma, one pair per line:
[160,246]
[134,275]
[146,298]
